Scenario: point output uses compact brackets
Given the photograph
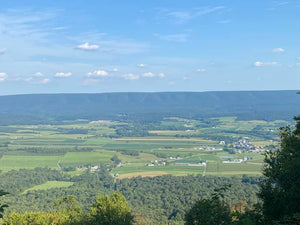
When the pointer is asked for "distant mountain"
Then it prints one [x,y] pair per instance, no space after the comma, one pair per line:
[45,108]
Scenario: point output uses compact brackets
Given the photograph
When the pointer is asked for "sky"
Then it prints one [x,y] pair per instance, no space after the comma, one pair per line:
[97,46]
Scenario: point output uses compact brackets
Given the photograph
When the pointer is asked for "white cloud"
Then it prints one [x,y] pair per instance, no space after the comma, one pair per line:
[39,74]
[97,73]
[2,51]
[112,45]
[115,70]
[61,74]
[201,70]
[45,81]
[3,76]
[260,64]
[141,65]
[88,47]
[131,76]
[161,75]
[149,74]
[278,50]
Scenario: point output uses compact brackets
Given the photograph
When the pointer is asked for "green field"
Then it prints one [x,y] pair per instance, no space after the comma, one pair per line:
[90,144]
[81,158]
[137,169]
[50,185]
[13,162]
[214,168]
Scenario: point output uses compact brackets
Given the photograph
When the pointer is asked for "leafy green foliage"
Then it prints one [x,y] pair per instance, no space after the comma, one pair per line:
[213,211]
[19,181]
[37,218]
[280,188]
[115,160]
[110,210]
[70,207]
[105,210]
[159,199]
[2,206]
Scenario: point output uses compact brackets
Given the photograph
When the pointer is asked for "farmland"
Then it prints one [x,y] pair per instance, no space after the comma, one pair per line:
[147,150]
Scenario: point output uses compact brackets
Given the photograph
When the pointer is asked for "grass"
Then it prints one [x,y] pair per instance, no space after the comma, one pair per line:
[173,132]
[165,139]
[75,172]
[97,141]
[142,157]
[264,143]
[142,174]
[10,162]
[233,168]
[81,158]
[50,185]
[137,169]
[198,158]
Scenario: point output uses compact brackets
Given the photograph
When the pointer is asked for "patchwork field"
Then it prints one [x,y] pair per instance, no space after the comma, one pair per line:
[176,140]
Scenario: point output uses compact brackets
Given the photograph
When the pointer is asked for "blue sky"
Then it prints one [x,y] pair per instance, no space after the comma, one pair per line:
[141,45]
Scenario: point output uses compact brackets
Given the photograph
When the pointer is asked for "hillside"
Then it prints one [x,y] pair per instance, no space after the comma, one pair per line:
[44,108]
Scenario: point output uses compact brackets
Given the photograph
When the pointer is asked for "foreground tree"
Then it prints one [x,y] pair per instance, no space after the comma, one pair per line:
[106,210]
[280,190]
[212,211]
[110,210]
[37,218]
[70,207]
[2,206]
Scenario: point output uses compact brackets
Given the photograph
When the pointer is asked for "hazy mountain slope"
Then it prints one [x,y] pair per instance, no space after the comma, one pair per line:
[256,104]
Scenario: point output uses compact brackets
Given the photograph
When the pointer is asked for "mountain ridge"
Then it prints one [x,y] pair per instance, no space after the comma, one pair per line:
[57,107]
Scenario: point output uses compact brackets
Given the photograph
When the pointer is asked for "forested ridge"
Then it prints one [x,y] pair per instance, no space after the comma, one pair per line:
[138,107]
